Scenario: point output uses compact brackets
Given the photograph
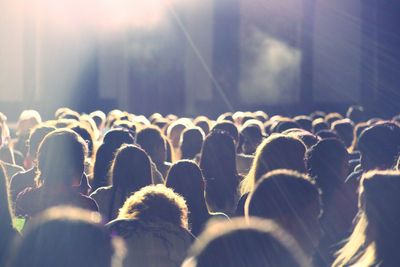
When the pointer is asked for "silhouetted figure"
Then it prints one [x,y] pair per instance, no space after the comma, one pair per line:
[292,200]
[240,243]
[186,179]
[112,140]
[375,238]
[218,164]
[328,164]
[25,179]
[152,141]
[66,237]
[130,171]
[276,152]
[61,159]
[7,230]
[154,224]
[191,142]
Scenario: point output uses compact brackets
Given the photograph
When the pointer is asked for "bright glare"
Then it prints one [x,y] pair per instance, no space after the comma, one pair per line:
[98,14]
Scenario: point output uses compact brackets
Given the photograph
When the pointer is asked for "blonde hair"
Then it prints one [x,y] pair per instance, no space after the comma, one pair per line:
[361,248]
[278,151]
[156,203]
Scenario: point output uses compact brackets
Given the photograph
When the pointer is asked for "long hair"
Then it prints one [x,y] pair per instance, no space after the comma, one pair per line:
[61,158]
[276,152]
[377,231]
[105,154]
[218,163]
[186,179]
[130,171]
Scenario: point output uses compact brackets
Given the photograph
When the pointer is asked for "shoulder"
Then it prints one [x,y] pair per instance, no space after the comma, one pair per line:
[100,191]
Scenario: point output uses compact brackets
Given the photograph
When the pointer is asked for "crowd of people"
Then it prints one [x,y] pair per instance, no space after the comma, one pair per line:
[243,190]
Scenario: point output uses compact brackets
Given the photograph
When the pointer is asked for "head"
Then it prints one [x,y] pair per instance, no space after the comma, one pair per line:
[344,129]
[65,237]
[131,169]
[379,146]
[292,200]
[36,136]
[186,179]
[112,141]
[61,159]
[218,163]
[203,123]
[228,127]
[328,163]
[27,120]
[240,243]
[87,135]
[156,203]
[251,136]
[376,233]
[152,141]
[174,132]
[191,142]
[276,152]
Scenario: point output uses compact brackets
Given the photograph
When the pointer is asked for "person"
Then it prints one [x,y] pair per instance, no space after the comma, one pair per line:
[240,243]
[26,121]
[278,151]
[130,171]
[25,179]
[154,224]
[67,237]
[191,142]
[374,240]
[218,164]
[328,164]
[61,159]
[379,146]
[344,128]
[112,140]
[186,179]
[249,139]
[292,200]
[7,230]
[152,141]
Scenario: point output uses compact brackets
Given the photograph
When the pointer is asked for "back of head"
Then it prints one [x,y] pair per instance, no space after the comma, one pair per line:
[113,140]
[344,128]
[229,127]
[292,200]
[191,142]
[218,163]
[64,237]
[186,179]
[131,169]
[276,152]
[240,243]
[379,146]
[36,136]
[61,158]
[250,136]
[152,141]
[327,163]
[281,193]
[376,232]
[154,204]
[27,120]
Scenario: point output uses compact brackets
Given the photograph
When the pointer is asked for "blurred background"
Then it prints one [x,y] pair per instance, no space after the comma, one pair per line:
[199,57]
